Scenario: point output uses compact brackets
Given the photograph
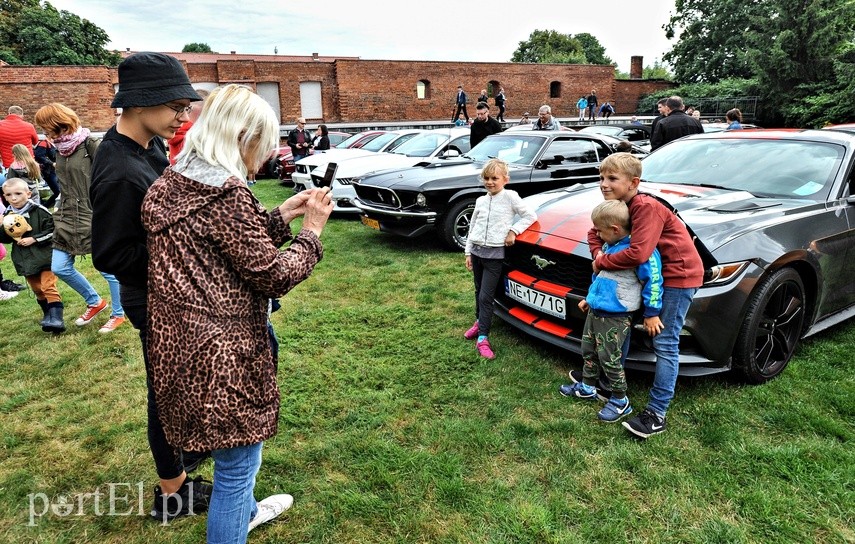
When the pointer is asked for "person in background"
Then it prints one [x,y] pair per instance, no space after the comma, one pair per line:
[734,118]
[155,95]
[524,120]
[662,113]
[606,110]
[593,106]
[545,120]
[582,106]
[76,149]
[14,130]
[177,142]
[321,141]
[697,114]
[482,97]
[211,352]
[31,251]
[460,105]
[299,140]
[634,121]
[45,154]
[483,126]
[492,229]
[25,167]
[460,121]
[501,100]
[675,125]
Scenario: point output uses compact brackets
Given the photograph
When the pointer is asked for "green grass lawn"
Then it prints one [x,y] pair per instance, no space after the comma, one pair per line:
[392,430]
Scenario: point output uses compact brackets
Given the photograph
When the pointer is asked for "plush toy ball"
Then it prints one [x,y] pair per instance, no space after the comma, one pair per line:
[16,225]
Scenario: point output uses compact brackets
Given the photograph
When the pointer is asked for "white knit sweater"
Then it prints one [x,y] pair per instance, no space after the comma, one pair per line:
[493,219]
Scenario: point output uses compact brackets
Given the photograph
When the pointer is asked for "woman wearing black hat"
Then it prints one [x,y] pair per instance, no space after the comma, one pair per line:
[155,95]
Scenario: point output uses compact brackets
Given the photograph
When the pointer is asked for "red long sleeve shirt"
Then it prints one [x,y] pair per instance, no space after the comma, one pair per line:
[654,226]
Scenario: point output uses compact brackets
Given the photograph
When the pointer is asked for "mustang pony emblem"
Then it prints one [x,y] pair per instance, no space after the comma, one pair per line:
[540,262]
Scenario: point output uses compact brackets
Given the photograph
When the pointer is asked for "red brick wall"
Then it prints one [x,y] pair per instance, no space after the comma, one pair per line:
[627,93]
[352,90]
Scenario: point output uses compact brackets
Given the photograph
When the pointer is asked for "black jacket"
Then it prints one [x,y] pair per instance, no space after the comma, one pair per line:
[673,127]
[482,129]
[122,172]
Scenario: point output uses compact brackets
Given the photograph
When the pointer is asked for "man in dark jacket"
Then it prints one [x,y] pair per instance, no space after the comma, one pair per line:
[484,125]
[155,96]
[299,140]
[460,103]
[676,125]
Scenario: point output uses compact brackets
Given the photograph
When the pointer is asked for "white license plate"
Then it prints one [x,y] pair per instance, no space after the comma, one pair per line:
[533,298]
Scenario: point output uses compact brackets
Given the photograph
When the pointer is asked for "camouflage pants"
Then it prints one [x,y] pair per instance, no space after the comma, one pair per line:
[602,340]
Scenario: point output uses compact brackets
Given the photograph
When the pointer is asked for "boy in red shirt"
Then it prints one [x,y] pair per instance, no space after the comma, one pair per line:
[653,227]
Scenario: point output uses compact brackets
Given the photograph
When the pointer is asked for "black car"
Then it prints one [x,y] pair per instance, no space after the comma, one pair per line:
[776,210]
[637,134]
[440,197]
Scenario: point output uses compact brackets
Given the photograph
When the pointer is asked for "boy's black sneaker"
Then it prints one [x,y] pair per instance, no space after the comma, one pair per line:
[9,285]
[645,424]
[193,497]
[603,393]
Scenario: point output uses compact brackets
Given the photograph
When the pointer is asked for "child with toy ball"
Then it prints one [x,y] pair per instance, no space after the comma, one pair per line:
[29,226]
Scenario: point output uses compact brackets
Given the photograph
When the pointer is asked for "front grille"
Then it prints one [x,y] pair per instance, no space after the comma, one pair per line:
[568,270]
[378,196]
[346,181]
[305,169]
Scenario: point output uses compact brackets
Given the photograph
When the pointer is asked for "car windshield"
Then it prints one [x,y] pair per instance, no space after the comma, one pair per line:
[511,148]
[765,168]
[422,145]
[377,143]
[352,140]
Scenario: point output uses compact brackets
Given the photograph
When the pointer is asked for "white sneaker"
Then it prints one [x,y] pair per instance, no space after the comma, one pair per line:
[270,508]
[6,295]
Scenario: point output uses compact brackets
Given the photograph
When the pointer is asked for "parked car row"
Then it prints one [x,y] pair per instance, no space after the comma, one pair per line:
[774,208]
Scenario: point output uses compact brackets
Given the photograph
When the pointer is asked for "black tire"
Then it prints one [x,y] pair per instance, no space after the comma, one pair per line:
[455,224]
[772,327]
[271,168]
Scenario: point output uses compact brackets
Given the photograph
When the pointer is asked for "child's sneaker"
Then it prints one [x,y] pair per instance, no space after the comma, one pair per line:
[270,508]
[90,313]
[603,393]
[484,349]
[615,409]
[6,295]
[112,323]
[645,424]
[578,390]
[472,333]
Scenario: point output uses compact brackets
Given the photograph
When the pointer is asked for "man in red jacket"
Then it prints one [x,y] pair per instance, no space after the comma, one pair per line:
[14,130]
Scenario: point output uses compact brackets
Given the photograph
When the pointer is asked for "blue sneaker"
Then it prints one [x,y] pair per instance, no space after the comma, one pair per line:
[578,390]
[603,392]
[615,409]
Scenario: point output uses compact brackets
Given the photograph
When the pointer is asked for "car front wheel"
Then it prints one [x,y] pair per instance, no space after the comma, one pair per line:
[772,326]
[455,224]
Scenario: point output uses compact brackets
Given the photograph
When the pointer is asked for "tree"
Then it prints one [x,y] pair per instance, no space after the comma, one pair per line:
[714,36]
[595,53]
[197,48]
[42,35]
[548,46]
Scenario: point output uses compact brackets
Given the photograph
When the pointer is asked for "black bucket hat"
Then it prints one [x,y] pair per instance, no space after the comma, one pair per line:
[151,79]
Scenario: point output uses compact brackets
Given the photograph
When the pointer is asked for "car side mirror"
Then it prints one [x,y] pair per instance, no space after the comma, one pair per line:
[448,153]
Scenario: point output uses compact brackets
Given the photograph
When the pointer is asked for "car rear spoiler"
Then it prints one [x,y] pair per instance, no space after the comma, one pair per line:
[706,256]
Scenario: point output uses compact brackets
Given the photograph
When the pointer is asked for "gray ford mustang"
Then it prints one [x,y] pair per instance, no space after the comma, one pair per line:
[774,208]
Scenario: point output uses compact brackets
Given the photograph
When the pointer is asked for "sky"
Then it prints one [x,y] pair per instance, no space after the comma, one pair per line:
[442,30]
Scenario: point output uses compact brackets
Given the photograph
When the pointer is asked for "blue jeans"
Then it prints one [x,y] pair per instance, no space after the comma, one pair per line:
[233,502]
[62,264]
[666,346]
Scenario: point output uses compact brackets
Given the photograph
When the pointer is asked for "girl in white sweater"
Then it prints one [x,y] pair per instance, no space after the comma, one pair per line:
[492,228]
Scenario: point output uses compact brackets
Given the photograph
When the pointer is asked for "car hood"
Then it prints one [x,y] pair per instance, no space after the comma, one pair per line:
[438,174]
[716,216]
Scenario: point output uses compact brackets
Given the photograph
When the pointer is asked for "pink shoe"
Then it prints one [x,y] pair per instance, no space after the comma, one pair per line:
[484,349]
[472,333]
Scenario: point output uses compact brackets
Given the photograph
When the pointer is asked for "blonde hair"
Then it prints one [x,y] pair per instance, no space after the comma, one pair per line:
[58,119]
[21,153]
[611,212]
[233,114]
[495,167]
[621,163]
[17,181]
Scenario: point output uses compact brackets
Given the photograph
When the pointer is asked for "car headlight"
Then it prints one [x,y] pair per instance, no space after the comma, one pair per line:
[421,200]
[723,273]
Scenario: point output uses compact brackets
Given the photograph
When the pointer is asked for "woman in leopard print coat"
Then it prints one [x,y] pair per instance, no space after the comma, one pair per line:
[214,265]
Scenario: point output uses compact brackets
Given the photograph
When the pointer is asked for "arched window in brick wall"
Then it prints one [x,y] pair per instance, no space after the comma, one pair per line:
[423,89]
[493,87]
[555,89]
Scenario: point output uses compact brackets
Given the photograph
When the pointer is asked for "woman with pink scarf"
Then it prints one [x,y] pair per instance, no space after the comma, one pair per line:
[73,215]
